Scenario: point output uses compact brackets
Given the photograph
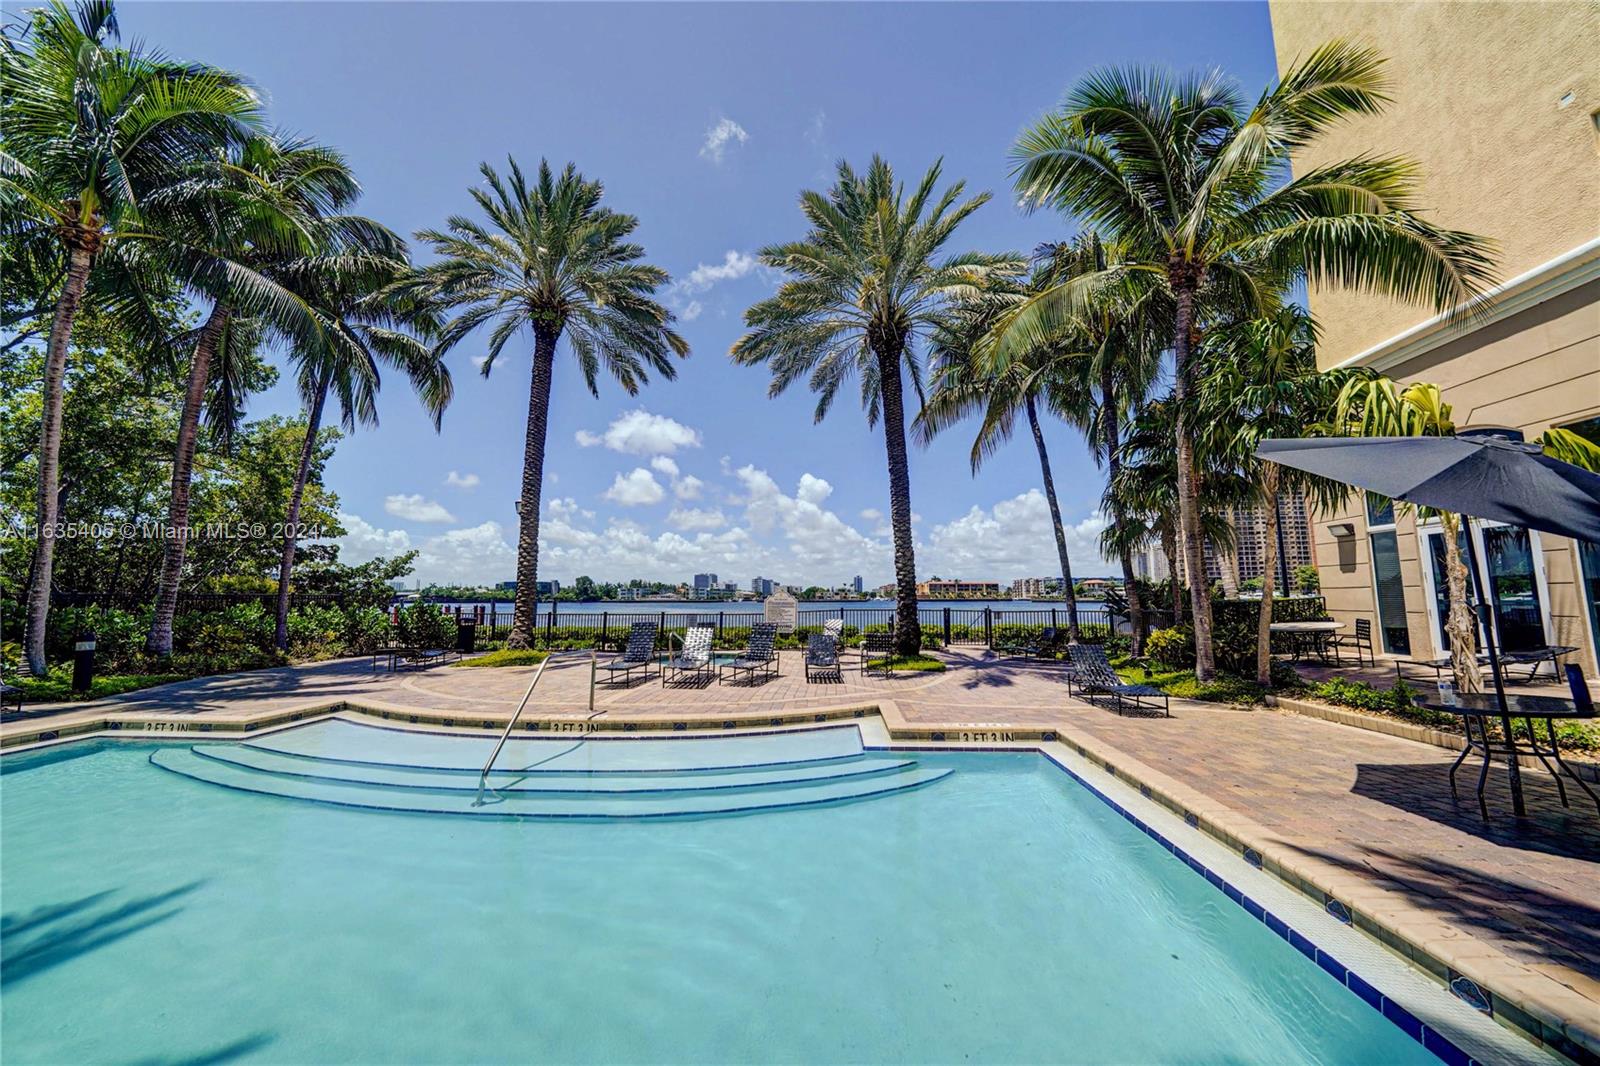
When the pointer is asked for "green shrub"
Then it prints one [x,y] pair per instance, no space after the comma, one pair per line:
[363,629]
[507,657]
[1172,647]
[424,625]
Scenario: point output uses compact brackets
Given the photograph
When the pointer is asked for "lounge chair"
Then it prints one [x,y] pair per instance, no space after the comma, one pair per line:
[879,648]
[639,654]
[822,658]
[834,627]
[1042,647]
[759,655]
[10,696]
[693,659]
[1093,676]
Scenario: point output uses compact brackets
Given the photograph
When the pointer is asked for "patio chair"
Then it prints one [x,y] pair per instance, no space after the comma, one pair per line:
[1361,641]
[1533,658]
[639,654]
[877,648]
[1093,676]
[10,696]
[822,658]
[759,655]
[693,661]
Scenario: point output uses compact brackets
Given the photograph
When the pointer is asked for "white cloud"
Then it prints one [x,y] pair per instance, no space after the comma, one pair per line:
[362,541]
[695,518]
[719,136]
[691,311]
[472,555]
[817,132]
[734,265]
[461,481]
[641,433]
[565,507]
[1014,538]
[414,508]
[817,542]
[687,488]
[662,464]
[635,489]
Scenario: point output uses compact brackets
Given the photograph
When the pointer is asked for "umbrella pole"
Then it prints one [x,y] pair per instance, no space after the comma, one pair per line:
[1486,617]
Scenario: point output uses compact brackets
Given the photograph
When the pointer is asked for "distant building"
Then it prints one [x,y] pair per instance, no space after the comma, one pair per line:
[1098,584]
[1151,564]
[761,586]
[857,585]
[705,582]
[1250,536]
[545,588]
[953,589]
[1035,588]
[886,592]
[506,586]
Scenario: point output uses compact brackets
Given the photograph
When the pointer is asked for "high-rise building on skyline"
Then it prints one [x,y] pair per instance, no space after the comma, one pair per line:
[857,585]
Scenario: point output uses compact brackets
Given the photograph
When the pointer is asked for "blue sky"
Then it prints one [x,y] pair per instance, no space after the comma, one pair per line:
[705,120]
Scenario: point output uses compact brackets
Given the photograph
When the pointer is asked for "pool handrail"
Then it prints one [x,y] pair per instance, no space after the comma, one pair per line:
[506,733]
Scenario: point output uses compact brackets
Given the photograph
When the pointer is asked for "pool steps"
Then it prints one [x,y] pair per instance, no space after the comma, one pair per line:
[570,779]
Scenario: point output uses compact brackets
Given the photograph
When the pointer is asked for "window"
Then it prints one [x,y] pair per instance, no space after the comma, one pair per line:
[1589,555]
[1388,588]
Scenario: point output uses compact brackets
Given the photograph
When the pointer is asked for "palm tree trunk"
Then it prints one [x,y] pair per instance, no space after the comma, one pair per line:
[1112,435]
[1185,281]
[308,449]
[1169,548]
[523,619]
[80,260]
[907,627]
[1228,569]
[1270,474]
[1460,624]
[175,543]
[1068,591]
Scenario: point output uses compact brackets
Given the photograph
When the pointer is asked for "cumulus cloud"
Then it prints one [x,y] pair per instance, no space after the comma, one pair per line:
[363,541]
[470,555]
[817,542]
[719,136]
[1014,538]
[688,488]
[663,464]
[639,432]
[695,518]
[461,481]
[415,508]
[635,489]
[680,294]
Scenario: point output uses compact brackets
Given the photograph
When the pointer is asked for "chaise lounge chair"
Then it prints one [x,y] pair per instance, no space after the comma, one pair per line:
[639,654]
[759,656]
[1093,676]
[822,658]
[877,648]
[693,661]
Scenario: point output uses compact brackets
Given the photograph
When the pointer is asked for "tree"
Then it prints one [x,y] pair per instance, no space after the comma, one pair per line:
[550,260]
[91,131]
[864,290]
[1195,184]
[1307,578]
[354,295]
[1257,379]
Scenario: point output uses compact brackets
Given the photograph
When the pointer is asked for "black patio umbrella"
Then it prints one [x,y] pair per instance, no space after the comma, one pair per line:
[1489,474]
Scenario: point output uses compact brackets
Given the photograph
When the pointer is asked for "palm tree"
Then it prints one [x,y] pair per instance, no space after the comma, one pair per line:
[91,130]
[1258,379]
[1042,376]
[246,217]
[1195,183]
[553,261]
[864,292]
[354,296]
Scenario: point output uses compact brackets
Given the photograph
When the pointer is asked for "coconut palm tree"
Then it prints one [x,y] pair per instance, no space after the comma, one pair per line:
[552,261]
[1258,379]
[1194,181]
[245,217]
[864,290]
[1042,377]
[356,297]
[91,130]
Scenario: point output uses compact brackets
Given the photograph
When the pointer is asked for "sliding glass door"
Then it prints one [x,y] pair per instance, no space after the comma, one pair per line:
[1509,558]
[1388,587]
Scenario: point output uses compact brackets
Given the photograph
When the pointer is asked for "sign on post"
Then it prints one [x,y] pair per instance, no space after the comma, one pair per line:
[782,610]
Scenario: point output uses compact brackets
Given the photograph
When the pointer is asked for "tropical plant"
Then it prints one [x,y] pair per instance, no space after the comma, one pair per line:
[1257,379]
[550,260]
[1194,182]
[356,297]
[91,130]
[864,290]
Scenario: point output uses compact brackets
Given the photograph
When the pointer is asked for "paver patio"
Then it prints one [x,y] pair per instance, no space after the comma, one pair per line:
[1374,807]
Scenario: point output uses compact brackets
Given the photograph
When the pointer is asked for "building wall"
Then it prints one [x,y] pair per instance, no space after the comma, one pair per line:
[1498,104]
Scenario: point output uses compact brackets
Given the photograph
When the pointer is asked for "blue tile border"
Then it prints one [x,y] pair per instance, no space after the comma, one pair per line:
[1432,1041]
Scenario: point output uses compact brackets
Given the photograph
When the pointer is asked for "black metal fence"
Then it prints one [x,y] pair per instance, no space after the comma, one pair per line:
[949,625]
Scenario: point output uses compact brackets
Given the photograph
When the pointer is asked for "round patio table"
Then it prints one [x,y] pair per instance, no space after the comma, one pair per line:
[1313,635]
[1477,708]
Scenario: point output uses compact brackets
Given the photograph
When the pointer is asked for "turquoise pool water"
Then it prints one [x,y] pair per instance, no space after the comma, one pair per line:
[998,912]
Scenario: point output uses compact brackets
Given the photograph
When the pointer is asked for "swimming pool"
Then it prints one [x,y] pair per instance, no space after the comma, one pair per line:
[993,909]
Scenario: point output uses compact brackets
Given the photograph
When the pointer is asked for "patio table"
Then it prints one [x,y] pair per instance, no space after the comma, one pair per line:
[1302,635]
[1476,709]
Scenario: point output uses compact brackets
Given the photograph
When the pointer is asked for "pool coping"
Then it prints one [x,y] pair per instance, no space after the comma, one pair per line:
[1534,1005]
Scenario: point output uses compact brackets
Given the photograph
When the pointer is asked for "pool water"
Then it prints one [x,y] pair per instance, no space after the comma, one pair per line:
[996,913]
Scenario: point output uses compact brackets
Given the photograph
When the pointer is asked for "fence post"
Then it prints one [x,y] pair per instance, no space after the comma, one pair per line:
[719,624]
[550,625]
[988,628]
[605,625]
[1053,618]
[947,627]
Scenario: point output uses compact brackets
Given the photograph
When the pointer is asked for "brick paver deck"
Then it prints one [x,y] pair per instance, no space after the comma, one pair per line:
[1374,807]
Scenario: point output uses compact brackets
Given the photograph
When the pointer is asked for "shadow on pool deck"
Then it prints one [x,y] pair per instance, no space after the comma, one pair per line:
[229,1052]
[35,941]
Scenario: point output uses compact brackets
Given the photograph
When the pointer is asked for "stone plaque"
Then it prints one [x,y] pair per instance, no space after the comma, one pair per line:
[781,610]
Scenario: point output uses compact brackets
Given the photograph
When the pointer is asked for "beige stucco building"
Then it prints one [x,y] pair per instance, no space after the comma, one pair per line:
[1500,105]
